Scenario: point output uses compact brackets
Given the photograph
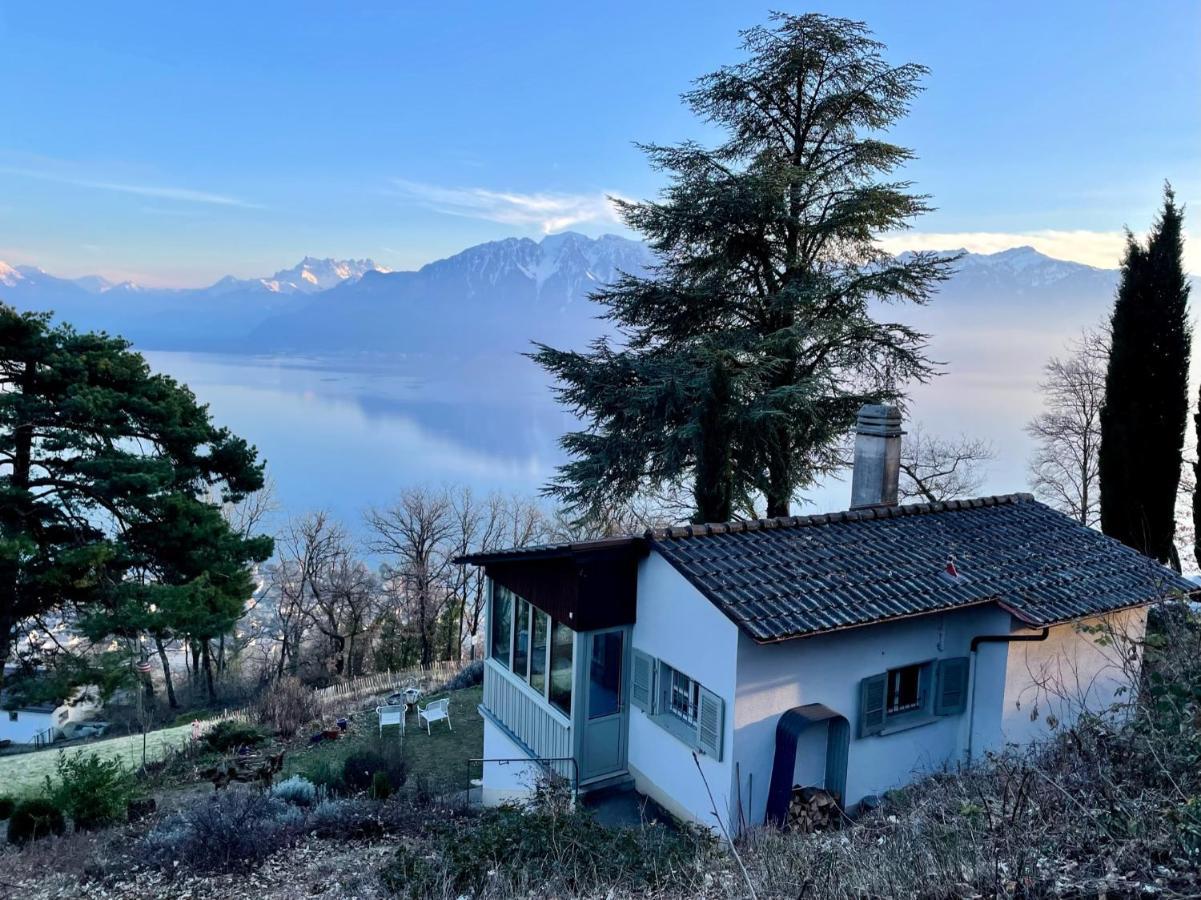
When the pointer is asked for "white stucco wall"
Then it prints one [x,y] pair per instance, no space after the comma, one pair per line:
[28,725]
[1049,683]
[774,678]
[676,624]
[505,782]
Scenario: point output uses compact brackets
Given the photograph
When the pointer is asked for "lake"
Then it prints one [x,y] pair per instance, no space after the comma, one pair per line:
[343,434]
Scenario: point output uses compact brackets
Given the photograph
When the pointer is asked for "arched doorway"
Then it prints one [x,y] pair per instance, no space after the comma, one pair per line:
[792,725]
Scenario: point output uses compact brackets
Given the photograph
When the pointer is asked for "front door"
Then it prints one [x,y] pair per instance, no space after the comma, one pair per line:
[603,732]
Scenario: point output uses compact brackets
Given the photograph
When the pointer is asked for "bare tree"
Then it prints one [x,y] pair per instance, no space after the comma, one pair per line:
[935,468]
[1063,470]
[416,537]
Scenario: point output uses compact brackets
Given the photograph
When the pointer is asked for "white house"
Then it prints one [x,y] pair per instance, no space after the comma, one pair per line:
[853,651]
[44,723]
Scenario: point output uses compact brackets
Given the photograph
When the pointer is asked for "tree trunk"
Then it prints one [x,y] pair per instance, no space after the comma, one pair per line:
[162,656]
[206,657]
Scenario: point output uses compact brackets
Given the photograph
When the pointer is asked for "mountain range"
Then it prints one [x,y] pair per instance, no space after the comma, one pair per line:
[498,296]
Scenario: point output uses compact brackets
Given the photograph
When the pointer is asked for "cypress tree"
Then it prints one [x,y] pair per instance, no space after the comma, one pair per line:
[1146,391]
[749,349]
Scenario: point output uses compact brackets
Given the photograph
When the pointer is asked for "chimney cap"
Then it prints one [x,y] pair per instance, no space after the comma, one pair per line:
[880,420]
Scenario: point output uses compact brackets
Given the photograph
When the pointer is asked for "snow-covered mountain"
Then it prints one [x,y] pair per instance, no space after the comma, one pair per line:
[501,295]
[309,276]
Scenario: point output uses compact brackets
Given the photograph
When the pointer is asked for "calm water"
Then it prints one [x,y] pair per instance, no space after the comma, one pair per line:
[343,434]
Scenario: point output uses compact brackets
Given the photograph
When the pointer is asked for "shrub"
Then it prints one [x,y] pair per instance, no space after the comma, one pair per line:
[33,819]
[381,786]
[297,790]
[91,789]
[229,830]
[286,706]
[361,768]
[470,675]
[345,819]
[228,736]
[513,852]
[6,807]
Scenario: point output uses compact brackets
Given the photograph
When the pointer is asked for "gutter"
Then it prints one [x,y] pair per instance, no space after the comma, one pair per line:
[991,639]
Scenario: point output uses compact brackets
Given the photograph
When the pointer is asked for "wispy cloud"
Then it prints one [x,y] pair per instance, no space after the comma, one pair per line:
[545,211]
[1094,248]
[160,192]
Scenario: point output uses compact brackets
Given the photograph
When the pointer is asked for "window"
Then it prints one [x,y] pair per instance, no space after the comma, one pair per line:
[561,641]
[678,704]
[521,640]
[538,651]
[904,689]
[684,696]
[501,624]
[534,646]
[912,695]
[12,715]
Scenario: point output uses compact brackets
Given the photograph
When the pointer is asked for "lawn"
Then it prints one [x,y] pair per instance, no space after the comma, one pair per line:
[22,774]
[436,761]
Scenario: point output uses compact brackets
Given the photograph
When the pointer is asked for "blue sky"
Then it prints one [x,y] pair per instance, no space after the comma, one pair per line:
[173,144]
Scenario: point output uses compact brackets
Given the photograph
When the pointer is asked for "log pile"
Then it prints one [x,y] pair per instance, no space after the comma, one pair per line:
[813,809]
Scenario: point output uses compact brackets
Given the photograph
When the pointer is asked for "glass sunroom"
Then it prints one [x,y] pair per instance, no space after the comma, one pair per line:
[556,676]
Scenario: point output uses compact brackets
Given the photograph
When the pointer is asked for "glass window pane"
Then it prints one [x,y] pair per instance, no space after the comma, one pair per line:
[538,651]
[604,676]
[502,623]
[560,666]
[521,642]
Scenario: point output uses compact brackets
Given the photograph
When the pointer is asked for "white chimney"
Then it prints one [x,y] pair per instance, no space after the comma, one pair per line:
[877,457]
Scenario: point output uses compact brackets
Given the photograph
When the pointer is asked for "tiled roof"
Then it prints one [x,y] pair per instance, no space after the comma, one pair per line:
[789,577]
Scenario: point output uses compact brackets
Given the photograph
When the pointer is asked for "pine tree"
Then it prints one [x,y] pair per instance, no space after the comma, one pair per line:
[749,349]
[1146,391]
[95,450]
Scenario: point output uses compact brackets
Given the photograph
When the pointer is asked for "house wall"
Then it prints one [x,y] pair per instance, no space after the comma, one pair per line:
[774,678]
[505,782]
[676,624]
[28,725]
[1053,681]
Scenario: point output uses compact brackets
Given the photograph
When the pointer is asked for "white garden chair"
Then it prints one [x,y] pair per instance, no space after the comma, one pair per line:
[412,695]
[391,715]
[435,711]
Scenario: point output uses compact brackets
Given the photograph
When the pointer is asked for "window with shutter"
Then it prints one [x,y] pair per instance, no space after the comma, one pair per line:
[642,682]
[873,692]
[710,725]
[950,696]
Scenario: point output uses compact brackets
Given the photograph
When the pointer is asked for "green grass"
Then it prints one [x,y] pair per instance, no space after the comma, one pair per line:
[23,774]
[437,761]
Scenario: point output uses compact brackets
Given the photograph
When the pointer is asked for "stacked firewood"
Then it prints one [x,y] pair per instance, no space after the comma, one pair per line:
[813,809]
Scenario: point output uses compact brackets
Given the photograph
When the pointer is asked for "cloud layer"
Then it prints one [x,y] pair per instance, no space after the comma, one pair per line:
[546,211]
[159,192]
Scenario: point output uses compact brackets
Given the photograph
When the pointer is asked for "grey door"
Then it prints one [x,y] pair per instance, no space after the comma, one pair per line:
[603,728]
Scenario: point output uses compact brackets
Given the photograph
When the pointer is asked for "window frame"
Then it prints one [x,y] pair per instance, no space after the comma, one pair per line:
[877,720]
[524,677]
[662,688]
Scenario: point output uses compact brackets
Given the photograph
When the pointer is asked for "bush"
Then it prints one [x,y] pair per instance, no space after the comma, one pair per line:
[470,675]
[345,819]
[229,830]
[381,786]
[297,790]
[286,706]
[513,852]
[91,789]
[33,819]
[229,736]
[6,807]
[361,768]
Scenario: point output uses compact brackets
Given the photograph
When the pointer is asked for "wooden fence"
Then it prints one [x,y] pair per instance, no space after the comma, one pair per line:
[424,677]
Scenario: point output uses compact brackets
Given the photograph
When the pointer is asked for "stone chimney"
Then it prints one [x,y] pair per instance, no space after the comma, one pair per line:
[877,457]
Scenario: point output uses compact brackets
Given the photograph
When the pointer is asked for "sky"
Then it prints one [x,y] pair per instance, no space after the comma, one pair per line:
[173,144]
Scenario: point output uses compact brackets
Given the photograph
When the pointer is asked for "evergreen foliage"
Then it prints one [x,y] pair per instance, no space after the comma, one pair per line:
[747,352]
[103,467]
[1146,404]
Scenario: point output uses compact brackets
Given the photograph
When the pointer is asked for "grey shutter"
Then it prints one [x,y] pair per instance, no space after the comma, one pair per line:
[710,724]
[872,694]
[950,697]
[642,682]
